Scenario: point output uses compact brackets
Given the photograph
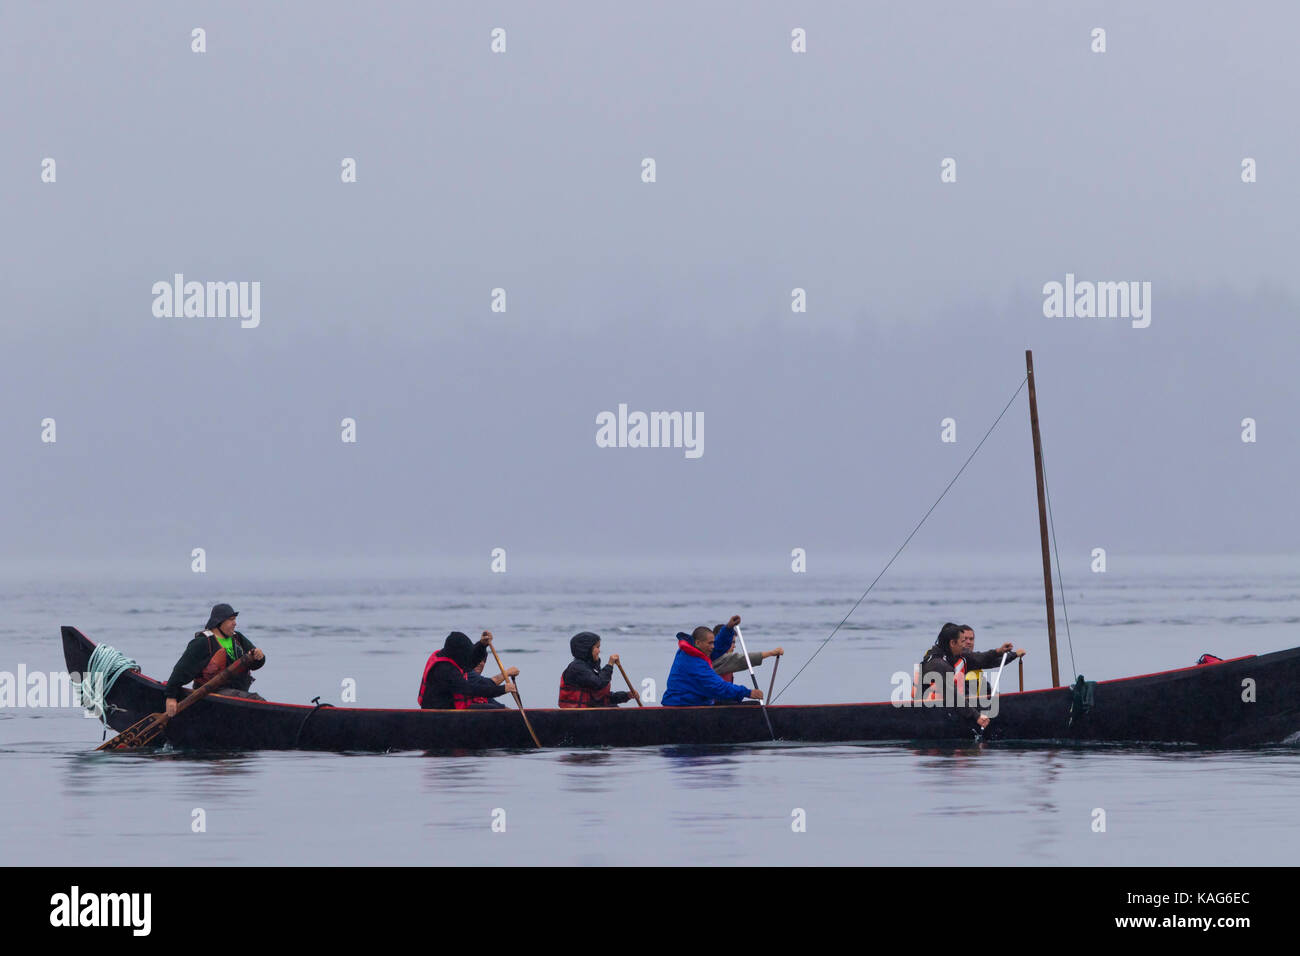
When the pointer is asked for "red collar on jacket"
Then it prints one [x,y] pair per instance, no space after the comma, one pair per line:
[694,651]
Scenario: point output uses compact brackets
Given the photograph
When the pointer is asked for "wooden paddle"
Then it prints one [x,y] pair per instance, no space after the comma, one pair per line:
[772,682]
[145,731]
[635,695]
[516,694]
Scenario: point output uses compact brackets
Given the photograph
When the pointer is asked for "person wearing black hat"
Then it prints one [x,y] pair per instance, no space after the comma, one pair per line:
[450,681]
[209,653]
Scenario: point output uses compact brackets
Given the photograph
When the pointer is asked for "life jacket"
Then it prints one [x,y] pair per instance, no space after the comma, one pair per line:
[219,660]
[478,700]
[571,697]
[459,701]
[932,692]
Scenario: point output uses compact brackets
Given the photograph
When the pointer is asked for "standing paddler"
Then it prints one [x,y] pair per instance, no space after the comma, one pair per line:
[209,653]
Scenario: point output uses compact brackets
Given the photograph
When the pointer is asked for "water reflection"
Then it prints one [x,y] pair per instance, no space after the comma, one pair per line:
[586,771]
[453,770]
[703,767]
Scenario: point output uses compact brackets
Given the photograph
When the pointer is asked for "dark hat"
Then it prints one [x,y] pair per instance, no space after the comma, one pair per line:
[220,612]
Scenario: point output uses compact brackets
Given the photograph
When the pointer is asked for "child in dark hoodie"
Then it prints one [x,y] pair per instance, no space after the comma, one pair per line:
[584,682]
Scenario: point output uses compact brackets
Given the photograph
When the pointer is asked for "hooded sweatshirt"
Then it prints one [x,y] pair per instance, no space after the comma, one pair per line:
[444,680]
[584,673]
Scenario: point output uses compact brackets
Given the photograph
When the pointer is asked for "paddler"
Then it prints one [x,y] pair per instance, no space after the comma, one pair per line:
[692,680]
[209,653]
[450,681]
[976,685]
[584,682]
[727,658]
[952,655]
[477,671]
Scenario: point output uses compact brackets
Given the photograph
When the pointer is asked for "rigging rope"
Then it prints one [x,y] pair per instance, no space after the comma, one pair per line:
[905,543]
[105,666]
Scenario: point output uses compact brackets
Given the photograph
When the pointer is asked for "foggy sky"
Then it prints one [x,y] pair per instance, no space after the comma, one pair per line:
[775,170]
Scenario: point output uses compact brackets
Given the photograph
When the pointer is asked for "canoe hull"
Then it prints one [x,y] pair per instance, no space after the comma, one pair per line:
[1196,705]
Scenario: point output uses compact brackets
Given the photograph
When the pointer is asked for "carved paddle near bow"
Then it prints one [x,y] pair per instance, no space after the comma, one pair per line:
[143,732]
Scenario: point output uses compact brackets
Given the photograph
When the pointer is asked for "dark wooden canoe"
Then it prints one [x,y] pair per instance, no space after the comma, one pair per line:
[1199,705]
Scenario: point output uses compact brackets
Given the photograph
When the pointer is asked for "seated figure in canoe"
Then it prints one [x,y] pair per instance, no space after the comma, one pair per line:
[727,658]
[693,681]
[209,653]
[453,679]
[953,654]
[477,671]
[977,682]
[584,682]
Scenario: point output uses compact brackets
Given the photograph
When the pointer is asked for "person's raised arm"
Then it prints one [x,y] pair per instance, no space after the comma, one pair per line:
[983,660]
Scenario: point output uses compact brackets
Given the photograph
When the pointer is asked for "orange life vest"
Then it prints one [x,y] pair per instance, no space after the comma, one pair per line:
[932,692]
[217,663]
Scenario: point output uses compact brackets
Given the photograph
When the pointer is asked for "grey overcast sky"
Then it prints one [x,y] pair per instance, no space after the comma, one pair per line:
[522,170]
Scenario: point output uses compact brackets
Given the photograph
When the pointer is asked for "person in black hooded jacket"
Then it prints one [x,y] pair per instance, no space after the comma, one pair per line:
[450,681]
[584,682]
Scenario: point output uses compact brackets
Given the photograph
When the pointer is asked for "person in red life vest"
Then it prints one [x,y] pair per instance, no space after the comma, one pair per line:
[209,653]
[727,658]
[692,680]
[584,682]
[951,654]
[449,681]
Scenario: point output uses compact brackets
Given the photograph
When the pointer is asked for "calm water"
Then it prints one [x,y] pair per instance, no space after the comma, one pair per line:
[62,804]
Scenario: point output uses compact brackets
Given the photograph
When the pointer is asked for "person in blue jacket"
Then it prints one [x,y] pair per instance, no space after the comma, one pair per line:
[692,679]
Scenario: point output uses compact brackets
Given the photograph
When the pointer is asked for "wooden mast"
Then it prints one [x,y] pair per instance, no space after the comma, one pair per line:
[1042,516]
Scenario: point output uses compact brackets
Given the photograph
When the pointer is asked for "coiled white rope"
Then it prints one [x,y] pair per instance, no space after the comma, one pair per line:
[103,669]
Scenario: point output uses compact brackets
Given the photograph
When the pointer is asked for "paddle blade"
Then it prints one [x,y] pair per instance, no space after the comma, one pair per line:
[140,734]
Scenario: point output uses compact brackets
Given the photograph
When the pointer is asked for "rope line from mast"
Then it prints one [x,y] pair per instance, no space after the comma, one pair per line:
[906,542]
